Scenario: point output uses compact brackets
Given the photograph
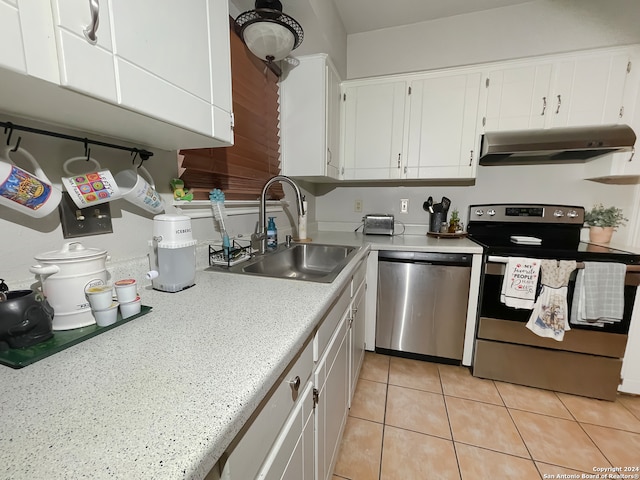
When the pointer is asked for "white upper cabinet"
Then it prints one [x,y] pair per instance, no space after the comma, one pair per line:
[86,66]
[155,74]
[310,119]
[517,97]
[11,34]
[443,134]
[168,62]
[561,91]
[373,129]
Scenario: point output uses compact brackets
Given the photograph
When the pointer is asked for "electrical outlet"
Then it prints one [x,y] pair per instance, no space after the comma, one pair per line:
[78,222]
[404,205]
[357,206]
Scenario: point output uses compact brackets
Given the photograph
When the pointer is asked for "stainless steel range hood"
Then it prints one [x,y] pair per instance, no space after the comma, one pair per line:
[554,145]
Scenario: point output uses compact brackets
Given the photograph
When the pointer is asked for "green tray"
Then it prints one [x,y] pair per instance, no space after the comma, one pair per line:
[21,357]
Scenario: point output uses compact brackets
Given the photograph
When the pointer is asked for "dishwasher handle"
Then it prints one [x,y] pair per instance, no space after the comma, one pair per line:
[430,258]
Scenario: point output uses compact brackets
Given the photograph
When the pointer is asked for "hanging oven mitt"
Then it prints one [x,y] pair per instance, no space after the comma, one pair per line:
[550,315]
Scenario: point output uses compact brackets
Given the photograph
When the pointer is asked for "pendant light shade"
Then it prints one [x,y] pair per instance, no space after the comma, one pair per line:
[268,33]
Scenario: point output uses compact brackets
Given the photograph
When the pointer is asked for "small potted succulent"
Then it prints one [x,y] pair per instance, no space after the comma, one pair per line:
[454,222]
[602,221]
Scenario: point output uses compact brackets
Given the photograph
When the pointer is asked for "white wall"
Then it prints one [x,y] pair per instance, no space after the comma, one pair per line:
[560,184]
[529,29]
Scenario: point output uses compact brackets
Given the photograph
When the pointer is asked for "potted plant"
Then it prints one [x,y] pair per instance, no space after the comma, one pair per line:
[602,222]
[454,221]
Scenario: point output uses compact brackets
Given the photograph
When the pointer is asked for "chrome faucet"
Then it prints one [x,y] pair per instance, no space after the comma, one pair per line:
[262,233]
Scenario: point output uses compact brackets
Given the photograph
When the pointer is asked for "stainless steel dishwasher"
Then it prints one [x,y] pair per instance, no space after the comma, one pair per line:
[422,303]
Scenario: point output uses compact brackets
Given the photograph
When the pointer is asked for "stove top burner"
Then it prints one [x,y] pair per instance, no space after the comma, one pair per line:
[557,226]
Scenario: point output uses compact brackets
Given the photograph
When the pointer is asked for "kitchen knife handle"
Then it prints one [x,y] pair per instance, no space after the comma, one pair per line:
[90,32]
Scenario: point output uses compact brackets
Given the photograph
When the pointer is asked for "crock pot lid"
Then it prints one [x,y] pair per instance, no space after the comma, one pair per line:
[71,251]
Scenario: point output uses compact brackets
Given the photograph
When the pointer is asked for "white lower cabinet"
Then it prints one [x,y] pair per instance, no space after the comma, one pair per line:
[296,432]
[331,378]
[291,458]
[356,337]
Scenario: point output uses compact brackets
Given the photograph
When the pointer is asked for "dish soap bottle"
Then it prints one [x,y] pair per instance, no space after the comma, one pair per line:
[272,234]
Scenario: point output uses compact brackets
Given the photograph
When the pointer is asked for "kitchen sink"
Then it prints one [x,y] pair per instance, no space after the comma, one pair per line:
[311,262]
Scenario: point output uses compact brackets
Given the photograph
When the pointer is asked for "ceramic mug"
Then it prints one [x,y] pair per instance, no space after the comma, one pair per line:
[92,188]
[29,193]
[140,191]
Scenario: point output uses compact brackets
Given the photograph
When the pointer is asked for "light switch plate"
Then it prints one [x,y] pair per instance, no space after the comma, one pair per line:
[77,222]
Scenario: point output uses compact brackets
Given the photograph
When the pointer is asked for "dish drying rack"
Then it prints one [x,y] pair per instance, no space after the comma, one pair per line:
[237,253]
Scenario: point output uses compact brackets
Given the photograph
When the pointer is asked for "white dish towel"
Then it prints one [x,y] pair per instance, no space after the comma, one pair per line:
[550,315]
[598,298]
[520,282]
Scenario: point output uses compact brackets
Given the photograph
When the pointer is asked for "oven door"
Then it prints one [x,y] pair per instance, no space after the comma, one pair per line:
[587,362]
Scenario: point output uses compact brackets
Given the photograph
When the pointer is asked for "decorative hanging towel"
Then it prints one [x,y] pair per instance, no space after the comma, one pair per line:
[519,282]
[550,316]
[598,298]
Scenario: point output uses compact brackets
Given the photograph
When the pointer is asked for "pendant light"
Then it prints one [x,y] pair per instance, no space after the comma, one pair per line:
[268,33]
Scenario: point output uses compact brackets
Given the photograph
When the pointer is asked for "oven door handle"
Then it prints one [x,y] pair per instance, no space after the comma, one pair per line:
[497,259]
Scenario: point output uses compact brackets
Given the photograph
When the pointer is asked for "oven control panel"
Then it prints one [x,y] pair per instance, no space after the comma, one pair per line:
[527,213]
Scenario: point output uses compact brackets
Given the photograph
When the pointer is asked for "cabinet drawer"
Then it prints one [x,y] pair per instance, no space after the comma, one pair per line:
[329,323]
[250,448]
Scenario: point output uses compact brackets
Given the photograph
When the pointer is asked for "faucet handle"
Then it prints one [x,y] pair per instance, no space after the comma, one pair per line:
[287,240]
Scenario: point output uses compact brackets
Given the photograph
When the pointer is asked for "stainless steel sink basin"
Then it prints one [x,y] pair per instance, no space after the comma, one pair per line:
[301,261]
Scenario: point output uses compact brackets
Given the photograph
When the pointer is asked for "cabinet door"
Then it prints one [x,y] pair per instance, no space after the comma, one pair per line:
[331,379]
[162,55]
[310,119]
[374,130]
[291,457]
[84,66]
[518,97]
[12,57]
[356,334]
[333,123]
[588,90]
[442,126]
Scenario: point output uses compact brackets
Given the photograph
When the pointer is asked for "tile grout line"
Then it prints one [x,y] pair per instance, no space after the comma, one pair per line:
[515,424]
[582,428]
[384,418]
[446,409]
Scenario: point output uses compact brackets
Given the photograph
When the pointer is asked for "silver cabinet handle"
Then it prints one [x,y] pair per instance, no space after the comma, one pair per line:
[633,152]
[90,32]
[544,106]
[399,160]
[559,103]
[295,383]
[329,156]
[471,158]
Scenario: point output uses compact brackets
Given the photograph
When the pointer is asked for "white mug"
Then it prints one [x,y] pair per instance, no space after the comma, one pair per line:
[140,191]
[31,194]
[90,188]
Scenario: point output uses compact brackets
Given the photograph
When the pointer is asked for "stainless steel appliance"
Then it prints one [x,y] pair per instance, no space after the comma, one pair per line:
[589,359]
[422,303]
[378,224]
[555,145]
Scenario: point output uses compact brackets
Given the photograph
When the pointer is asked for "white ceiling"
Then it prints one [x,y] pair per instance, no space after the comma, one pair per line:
[365,15]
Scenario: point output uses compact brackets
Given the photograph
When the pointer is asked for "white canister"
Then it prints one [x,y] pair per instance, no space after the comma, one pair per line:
[65,275]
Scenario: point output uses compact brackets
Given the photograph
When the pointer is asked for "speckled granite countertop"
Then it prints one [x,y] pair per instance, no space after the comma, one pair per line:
[163,396]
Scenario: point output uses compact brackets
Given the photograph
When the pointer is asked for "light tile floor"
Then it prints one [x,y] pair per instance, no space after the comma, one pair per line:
[418,420]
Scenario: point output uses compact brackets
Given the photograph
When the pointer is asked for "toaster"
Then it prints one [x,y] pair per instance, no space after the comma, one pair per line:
[378,224]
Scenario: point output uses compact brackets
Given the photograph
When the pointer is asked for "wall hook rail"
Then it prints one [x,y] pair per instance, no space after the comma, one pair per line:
[10,127]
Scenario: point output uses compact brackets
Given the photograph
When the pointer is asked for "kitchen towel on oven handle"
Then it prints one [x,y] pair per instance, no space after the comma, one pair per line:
[599,294]
[520,282]
[550,314]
